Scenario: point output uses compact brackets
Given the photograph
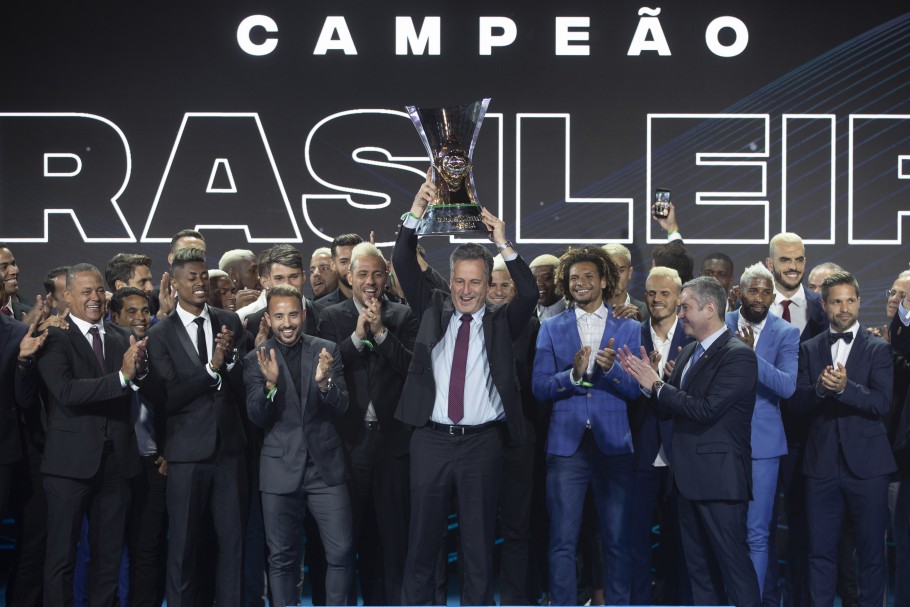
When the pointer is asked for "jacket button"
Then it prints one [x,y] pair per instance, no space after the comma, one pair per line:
[588,395]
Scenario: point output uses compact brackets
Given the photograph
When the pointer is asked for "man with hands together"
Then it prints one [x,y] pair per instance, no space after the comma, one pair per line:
[589,440]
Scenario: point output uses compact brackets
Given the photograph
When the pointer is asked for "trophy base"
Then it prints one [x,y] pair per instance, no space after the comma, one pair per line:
[452,219]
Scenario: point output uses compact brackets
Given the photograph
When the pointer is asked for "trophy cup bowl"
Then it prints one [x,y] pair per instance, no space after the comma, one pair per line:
[449,135]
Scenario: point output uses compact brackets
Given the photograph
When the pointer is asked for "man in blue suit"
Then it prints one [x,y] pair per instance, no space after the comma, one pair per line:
[711,396]
[662,336]
[776,344]
[589,440]
[845,383]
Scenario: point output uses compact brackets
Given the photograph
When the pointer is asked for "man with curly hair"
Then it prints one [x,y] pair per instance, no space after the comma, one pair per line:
[589,441]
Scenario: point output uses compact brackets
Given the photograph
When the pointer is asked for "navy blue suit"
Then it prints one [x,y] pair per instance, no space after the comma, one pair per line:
[589,443]
[648,434]
[777,352]
[847,462]
[711,466]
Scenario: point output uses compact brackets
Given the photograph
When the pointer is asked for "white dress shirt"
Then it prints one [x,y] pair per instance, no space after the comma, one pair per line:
[591,327]
[799,314]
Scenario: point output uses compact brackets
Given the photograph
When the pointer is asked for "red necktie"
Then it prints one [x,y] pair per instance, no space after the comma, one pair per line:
[459,366]
[785,314]
[6,310]
[97,346]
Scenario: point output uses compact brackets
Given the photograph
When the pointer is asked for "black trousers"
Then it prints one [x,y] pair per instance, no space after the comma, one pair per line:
[380,500]
[29,506]
[515,497]
[105,499]
[471,466]
[147,539]
[217,484]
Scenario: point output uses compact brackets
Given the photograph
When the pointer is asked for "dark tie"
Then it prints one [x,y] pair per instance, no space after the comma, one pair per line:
[785,314]
[699,350]
[833,337]
[6,310]
[459,365]
[200,341]
[97,346]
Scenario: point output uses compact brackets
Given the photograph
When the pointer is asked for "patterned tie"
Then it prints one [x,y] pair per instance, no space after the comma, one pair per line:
[5,310]
[200,341]
[97,346]
[785,314]
[459,365]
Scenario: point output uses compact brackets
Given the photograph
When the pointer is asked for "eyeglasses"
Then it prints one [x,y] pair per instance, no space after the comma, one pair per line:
[891,293]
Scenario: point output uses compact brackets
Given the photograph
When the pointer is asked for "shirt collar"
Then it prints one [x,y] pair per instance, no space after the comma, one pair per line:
[475,317]
[84,325]
[602,312]
[799,298]
[741,321]
[187,318]
[709,340]
[670,333]
[853,329]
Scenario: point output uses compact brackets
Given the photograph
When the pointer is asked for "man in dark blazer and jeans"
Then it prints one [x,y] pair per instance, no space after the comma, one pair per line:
[711,396]
[294,388]
[461,387]
[193,353]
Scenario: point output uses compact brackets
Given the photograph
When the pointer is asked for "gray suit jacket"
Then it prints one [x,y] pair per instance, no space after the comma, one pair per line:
[297,424]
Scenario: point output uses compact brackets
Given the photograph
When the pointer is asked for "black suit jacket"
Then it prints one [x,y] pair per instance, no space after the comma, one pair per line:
[19,388]
[375,376]
[297,424]
[197,413]
[796,425]
[850,422]
[501,326]
[330,299]
[711,451]
[83,401]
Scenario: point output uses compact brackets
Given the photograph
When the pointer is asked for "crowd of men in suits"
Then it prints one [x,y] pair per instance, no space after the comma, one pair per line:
[218,430]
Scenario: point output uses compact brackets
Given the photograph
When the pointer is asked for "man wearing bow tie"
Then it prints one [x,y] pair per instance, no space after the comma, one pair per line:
[844,382]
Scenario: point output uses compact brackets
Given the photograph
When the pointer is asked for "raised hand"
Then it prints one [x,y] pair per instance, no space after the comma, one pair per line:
[224,347]
[425,195]
[263,334]
[668,223]
[165,297]
[747,335]
[495,226]
[639,367]
[373,309]
[628,311]
[37,314]
[581,363]
[606,357]
[268,365]
[30,343]
[324,369]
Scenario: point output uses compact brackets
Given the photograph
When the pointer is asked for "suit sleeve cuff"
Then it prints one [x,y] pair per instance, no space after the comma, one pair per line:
[410,221]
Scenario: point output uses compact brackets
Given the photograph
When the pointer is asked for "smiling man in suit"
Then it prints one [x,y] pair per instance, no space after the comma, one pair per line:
[90,371]
[663,337]
[589,442]
[376,340]
[711,396]
[294,388]
[845,382]
[776,344]
[461,387]
[193,353]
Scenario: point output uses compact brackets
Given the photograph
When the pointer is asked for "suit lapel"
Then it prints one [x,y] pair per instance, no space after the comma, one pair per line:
[112,349]
[709,353]
[448,308]
[679,340]
[182,337]
[824,351]
[858,349]
[681,361]
[285,371]
[6,337]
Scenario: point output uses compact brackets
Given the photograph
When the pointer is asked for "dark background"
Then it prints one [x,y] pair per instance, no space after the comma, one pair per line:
[144,66]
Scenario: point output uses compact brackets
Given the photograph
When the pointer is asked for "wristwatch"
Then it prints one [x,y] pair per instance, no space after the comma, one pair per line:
[656,386]
[328,387]
[506,245]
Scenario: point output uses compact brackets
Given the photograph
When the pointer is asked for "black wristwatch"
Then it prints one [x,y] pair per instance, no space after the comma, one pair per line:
[656,386]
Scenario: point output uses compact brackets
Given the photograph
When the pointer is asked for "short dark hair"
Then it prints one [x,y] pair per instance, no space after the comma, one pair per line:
[121,294]
[284,290]
[587,253]
[839,278]
[675,255]
[49,286]
[719,257]
[707,289]
[285,255]
[185,256]
[122,266]
[187,233]
[344,240]
[469,252]
[262,262]
[77,269]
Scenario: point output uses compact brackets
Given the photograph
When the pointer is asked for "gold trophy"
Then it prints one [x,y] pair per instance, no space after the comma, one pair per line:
[449,135]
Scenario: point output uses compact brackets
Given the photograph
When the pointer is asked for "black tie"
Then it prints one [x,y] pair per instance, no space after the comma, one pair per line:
[200,340]
[97,346]
[833,337]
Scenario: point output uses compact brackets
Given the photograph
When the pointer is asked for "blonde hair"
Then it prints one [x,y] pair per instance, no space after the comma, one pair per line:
[365,249]
[665,272]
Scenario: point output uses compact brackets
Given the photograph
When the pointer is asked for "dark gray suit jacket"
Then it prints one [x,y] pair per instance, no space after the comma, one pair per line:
[297,424]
